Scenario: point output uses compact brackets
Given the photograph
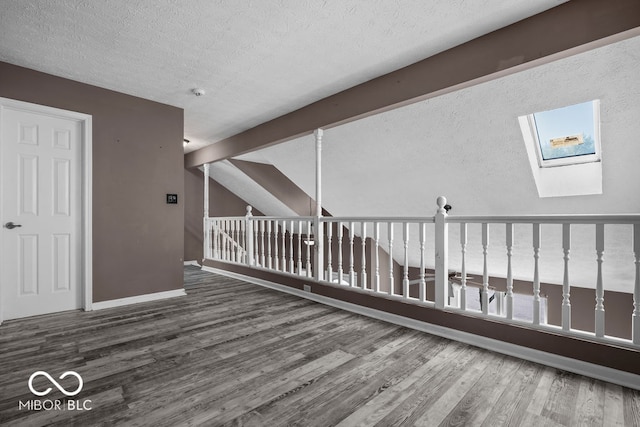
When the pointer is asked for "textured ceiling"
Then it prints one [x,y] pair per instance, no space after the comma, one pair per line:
[257,60]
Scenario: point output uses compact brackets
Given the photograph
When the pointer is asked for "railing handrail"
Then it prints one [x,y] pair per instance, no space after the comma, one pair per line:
[398,219]
[547,219]
[457,219]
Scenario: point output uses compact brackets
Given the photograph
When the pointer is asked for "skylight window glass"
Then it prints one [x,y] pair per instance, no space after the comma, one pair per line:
[568,132]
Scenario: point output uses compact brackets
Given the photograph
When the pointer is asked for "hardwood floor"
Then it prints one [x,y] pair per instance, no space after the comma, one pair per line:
[233,353]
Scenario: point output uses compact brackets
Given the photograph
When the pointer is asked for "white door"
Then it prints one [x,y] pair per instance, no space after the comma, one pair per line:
[41,213]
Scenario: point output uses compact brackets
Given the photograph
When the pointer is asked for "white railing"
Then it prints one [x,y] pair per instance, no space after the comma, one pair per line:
[409,259]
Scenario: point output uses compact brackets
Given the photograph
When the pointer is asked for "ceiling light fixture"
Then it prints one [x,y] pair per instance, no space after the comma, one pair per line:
[198,92]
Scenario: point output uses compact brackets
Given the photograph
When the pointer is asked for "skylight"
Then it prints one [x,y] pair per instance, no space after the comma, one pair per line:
[567,135]
[563,148]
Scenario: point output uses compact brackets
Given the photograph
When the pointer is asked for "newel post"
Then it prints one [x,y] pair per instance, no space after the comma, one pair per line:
[441,253]
[249,235]
[319,224]
[206,241]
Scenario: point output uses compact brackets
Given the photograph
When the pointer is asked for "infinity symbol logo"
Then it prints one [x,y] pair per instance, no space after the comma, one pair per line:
[55,383]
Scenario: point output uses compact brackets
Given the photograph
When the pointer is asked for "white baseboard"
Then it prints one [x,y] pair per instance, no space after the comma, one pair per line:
[192,263]
[138,299]
[587,369]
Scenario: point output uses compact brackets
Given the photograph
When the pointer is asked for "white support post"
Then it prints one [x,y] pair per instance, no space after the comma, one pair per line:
[636,289]
[566,302]
[441,254]
[249,235]
[319,225]
[536,274]
[206,241]
[509,297]
[484,294]
[599,315]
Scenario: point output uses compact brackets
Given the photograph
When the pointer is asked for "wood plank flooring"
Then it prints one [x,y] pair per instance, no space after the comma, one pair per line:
[233,353]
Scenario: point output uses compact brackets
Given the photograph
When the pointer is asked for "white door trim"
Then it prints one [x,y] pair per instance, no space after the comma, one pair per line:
[86,182]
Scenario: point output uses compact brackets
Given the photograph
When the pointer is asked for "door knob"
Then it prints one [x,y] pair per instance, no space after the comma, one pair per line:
[11,225]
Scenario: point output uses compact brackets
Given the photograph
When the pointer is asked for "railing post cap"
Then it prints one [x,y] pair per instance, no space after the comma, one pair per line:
[249,209]
[441,201]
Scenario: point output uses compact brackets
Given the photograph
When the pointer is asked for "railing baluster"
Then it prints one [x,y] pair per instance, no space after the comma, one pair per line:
[363,274]
[269,258]
[291,262]
[308,245]
[463,267]
[352,273]
[213,231]
[283,252]
[536,274]
[229,240]
[636,289]
[262,248]
[391,284]
[566,302]
[236,244]
[249,249]
[276,260]
[423,271]
[405,273]
[219,232]
[340,271]
[484,296]
[329,226]
[299,247]
[223,240]
[509,298]
[376,256]
[256,246]
[233,240]
[599,285]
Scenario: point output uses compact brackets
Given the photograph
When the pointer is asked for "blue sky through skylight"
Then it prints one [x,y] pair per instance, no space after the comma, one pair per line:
[565,124]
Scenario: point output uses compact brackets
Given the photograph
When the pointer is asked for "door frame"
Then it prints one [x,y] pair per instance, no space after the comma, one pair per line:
[86,183]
